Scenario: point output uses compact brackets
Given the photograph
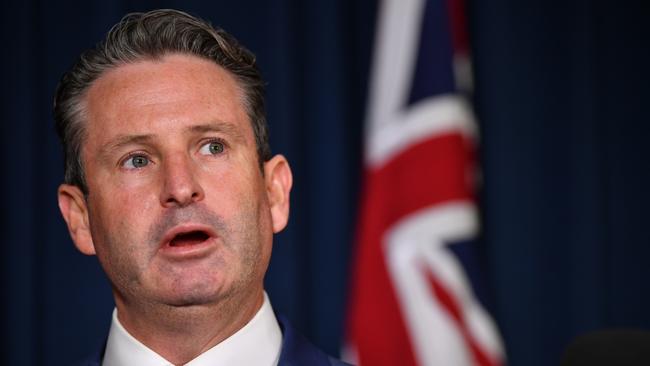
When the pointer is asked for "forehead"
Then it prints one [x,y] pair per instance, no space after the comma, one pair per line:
[163,94]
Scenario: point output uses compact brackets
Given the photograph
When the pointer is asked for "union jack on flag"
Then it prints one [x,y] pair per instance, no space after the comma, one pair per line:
[412,300]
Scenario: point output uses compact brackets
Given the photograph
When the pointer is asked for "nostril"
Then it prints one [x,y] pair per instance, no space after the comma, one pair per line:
[182,197]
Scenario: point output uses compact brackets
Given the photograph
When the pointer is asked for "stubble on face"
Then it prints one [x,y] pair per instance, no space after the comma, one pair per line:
[142,280]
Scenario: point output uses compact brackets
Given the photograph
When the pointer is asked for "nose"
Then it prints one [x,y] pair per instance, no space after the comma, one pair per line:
[180,184]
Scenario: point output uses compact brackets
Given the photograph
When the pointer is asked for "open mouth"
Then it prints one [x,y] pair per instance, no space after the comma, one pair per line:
[189,238]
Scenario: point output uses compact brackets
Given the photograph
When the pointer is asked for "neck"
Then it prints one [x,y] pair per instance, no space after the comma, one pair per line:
[181,333]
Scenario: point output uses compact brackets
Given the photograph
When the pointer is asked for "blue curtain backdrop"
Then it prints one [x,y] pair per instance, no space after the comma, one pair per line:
[561,96]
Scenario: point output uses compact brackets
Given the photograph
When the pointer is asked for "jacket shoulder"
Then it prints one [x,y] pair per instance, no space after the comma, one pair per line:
[298,351]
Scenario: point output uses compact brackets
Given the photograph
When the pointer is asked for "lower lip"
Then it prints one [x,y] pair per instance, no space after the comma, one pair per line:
[189,251]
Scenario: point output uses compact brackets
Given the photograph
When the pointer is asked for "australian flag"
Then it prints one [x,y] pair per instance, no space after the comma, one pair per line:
[414,299]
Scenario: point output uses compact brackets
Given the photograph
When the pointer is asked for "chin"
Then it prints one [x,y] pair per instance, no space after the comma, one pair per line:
[191,299]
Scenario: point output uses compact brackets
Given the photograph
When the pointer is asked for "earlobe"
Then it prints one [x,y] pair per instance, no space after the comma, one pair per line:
[72,204]
[278,187]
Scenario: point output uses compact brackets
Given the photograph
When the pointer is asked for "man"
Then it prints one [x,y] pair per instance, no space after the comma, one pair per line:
[169,180]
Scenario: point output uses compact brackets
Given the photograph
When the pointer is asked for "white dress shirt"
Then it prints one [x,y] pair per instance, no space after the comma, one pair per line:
[258,343]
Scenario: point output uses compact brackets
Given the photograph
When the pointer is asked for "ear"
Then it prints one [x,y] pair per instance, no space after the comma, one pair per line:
[278,178]
[72,204]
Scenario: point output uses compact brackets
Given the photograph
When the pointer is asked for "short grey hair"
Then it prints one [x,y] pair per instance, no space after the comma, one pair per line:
[151,36]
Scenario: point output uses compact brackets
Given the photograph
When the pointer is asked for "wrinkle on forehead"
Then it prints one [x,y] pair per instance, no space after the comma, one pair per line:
[160,91]
[170,80]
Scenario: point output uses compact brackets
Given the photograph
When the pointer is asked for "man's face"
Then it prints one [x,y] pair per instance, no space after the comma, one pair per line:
[178,210]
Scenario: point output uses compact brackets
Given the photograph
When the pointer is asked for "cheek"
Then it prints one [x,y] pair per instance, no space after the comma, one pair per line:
[121,247]
[241,199]
[126,197]
[229,188]
[118,221]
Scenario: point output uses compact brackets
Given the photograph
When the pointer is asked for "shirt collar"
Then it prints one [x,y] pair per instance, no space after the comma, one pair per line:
[262,334]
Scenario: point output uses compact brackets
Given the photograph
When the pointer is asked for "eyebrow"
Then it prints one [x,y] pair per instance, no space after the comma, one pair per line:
[218,126]
[123,140]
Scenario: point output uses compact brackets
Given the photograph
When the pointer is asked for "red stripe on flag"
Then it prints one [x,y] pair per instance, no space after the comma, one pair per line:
[449,303]
[459,37]
[428,173]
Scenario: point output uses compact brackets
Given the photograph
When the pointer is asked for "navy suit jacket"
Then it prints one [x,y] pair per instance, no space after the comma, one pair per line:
[296,351]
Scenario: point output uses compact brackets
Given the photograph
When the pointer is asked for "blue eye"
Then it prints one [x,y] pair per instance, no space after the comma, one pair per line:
[136,161]
[212,148]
